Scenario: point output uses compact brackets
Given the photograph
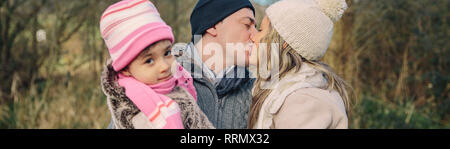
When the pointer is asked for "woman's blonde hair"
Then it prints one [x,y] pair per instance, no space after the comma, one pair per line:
[289,59]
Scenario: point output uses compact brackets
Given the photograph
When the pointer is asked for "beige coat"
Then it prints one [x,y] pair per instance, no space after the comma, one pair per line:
[298,101]
[311,108]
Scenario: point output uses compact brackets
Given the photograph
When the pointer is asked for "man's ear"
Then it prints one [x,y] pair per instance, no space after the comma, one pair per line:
[212,31]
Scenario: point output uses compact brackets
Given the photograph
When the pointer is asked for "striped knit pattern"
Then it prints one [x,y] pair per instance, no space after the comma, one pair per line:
[128,27]
[166,111]
[161,111]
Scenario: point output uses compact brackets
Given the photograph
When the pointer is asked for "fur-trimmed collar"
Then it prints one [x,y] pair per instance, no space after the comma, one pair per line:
[126,115]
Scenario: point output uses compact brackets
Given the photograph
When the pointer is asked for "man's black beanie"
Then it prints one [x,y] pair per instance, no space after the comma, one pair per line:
[208,13]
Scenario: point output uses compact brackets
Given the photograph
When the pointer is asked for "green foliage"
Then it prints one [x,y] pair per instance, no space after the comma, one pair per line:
[375,113]
[394,53]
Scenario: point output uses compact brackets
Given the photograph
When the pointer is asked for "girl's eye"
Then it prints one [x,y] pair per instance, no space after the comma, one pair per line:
[149,61]
[168,53]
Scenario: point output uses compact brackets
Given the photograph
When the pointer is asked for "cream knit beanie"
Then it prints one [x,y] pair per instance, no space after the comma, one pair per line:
[306,25]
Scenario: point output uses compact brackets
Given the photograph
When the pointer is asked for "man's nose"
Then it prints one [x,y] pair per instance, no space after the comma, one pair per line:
[253,31]
[253,38]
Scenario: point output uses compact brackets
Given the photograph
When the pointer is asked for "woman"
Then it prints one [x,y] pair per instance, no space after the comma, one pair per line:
[308,94]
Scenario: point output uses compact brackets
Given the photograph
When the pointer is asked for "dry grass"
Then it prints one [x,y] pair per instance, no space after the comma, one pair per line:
[60,102]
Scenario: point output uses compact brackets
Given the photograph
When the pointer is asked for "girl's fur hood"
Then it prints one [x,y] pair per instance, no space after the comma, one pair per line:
[121,107]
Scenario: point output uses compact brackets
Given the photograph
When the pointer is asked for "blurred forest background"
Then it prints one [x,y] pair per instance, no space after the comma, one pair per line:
[393,52]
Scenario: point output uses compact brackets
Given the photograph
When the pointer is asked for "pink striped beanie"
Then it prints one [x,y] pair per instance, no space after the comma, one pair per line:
[128,27]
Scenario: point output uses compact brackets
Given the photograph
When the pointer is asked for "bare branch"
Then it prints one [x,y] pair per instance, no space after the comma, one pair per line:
[21,26]
[71,33]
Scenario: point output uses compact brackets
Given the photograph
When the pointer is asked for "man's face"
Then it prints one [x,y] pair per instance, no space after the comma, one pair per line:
[238,28]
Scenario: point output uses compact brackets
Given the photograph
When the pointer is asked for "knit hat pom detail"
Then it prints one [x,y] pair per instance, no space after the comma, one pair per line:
[334,9]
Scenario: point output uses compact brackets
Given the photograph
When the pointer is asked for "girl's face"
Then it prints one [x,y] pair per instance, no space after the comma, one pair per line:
[263,31]
[153,65]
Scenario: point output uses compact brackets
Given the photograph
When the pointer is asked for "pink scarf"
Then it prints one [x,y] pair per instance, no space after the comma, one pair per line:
[162,112]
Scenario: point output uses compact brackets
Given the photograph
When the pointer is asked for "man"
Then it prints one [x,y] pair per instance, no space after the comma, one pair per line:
[222,82]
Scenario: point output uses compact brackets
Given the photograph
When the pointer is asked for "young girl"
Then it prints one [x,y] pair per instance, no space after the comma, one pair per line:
[145,86]
[308,94]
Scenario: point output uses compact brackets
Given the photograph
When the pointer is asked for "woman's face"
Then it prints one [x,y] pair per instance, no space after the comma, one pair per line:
[263,31]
